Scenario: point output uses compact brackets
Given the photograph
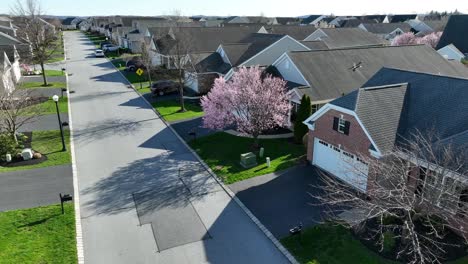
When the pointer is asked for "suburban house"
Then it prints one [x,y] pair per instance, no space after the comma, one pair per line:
[256,49]
[376,18]
[311,19]
[295,31]
[424,27]
[399,18]
[387,112]
[71,23]
[10,72]
[7,26]
[324,75]
[356,22]
[345,37]
[455,33]
[251,20]
[288,20]
[387,31]
[196,40]
[450,52]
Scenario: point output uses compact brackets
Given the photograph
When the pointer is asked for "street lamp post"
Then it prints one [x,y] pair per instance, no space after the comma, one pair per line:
[56,99]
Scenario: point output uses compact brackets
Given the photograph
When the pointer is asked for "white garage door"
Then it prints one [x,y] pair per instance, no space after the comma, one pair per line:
[342,164]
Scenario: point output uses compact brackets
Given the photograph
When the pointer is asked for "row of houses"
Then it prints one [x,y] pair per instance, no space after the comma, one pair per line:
[367,96]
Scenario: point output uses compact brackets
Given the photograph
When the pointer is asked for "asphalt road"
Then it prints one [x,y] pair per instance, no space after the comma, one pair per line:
[143,198]
[36,187]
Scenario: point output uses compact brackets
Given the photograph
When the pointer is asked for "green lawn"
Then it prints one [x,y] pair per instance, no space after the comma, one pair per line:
[169,110]
[330,244]
[334,244]
[221,151]
[38,85]
[38,235]
[48,143]
[59,53]
[96,38]
[54,73]
[48,107]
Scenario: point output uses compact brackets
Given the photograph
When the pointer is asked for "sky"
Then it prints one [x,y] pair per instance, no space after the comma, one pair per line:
[240,7]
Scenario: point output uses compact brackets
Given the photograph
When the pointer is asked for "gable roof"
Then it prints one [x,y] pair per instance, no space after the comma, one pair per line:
[401,18]
[330,72]
[349,37]
[24,51]
[455,33]
[357,22]
[6,39]
[309,19]
[397,104]
[386,28]
[257,42]
[209,62]
[203,39]
[295,31]
[67,21]
[315,45]
[378,18]
[288,20]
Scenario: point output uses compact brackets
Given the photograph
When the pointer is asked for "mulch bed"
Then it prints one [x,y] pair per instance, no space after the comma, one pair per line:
[16,162]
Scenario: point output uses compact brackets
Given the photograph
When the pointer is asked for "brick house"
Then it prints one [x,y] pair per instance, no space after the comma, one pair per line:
[389,110]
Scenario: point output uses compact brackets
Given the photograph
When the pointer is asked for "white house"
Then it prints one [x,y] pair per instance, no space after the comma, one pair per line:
[450,52]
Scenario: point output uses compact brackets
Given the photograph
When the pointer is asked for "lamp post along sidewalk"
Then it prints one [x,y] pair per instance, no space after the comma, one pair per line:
[56,99]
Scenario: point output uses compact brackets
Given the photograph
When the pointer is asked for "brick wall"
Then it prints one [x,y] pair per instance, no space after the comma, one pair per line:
[356,142]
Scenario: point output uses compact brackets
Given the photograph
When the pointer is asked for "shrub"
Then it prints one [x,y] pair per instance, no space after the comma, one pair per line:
[302,114]
[7,146]
[388,241]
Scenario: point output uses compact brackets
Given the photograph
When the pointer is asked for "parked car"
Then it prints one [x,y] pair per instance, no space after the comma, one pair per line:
[134,64]
[99,53]
[110,47]
[164,87]
[104,43]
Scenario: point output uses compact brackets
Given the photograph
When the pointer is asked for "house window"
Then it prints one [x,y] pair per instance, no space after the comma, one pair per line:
[341,125]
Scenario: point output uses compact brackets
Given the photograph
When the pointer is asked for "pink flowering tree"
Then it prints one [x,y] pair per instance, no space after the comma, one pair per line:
[404,39]
[251,103]
[409,38]
[431,39]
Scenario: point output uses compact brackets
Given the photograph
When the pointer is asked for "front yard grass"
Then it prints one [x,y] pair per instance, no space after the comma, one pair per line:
[47,143]
[334,244]
[38,235]
[59,53]
[39,85]
[48,107]
[169,110]
[331,244]
[54,73]
[221,151]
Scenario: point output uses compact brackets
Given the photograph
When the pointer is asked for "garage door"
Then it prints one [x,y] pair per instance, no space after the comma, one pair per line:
[341,164]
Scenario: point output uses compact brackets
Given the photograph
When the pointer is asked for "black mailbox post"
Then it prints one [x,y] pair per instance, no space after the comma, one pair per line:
[64,198]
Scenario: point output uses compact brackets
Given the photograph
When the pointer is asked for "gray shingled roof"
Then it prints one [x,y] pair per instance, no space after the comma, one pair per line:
[386,28]
[455,33]
[209,62]
[401,18]
[379,109]
[315,45]
[330,74]
[8,40]
[205,39]
[257,42]
[397,104]
[24,51]
[295,31]
[349,37]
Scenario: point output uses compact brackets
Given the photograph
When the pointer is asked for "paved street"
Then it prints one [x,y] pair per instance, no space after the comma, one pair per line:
[281,201]
[143,196]
[36,187]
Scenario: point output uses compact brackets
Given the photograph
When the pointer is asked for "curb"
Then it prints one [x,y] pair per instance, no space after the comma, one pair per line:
[76,190]
[268,234]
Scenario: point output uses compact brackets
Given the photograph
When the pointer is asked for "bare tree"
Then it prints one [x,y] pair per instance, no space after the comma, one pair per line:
[421,185]
[40,34]
[179,47]
[18,109]
[146,59]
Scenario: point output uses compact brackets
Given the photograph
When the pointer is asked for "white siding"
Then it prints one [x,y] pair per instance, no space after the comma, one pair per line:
[273,52]
[289,71]
[451,53]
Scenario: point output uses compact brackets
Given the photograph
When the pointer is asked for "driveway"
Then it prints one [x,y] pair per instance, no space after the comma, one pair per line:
[144,198]
[44,122]
[281,201]
[36,187]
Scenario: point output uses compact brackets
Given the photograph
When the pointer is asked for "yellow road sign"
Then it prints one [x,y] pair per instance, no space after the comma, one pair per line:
[139,72]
